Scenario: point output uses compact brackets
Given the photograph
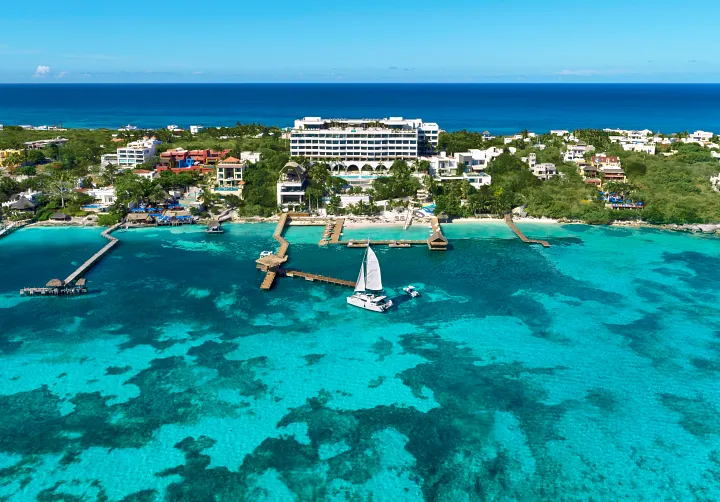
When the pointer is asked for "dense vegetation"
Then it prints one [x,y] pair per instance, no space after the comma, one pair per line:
[675,189]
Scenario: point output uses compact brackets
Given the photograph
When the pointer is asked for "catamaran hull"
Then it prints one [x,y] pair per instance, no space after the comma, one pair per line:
[367,303]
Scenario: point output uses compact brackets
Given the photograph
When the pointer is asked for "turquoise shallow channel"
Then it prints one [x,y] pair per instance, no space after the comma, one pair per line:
[589,370]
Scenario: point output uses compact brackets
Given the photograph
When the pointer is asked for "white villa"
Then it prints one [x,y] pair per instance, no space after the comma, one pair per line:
[542,171]
[576,152]
[136,152]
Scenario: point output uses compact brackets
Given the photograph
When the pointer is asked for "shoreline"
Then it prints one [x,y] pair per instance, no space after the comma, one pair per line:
[368,222]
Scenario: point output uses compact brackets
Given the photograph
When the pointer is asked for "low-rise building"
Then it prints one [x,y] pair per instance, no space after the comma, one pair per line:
[8,152]
[576,152]
[542,171]
[109,159]
[476,180]
[146,173]
[291,186]
[442,165]
[42,143]
[602,161]
[105,196]
[477,160]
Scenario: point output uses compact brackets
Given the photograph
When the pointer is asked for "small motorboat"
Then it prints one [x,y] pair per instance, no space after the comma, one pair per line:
[266,253]
[412,291]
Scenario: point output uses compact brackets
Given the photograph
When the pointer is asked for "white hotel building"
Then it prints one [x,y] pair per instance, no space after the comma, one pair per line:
[354,144]
[136,153]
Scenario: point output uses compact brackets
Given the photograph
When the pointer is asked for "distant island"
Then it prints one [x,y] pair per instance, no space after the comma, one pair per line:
[358,167]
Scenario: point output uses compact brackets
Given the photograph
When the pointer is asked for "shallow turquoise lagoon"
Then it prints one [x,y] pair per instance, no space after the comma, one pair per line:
[586,371]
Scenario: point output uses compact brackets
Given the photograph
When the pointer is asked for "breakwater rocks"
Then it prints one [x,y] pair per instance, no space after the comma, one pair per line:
[710,228]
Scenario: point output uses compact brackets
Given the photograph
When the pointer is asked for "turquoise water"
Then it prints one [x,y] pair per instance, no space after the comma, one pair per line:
[586,371]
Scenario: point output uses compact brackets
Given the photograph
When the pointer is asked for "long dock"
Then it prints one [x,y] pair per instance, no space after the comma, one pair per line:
[514,228]
[80,271]
[401,243]
[75,283]
[318,278]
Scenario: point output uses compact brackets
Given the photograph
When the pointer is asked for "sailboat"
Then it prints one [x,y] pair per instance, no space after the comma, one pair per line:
[368,288]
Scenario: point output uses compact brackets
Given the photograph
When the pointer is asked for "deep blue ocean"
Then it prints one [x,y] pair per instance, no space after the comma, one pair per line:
[499,108]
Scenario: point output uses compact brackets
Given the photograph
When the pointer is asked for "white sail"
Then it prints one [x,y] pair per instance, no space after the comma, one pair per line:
[373,281]
[360,284]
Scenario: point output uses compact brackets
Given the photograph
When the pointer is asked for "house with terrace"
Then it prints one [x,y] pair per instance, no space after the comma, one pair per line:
[291,187]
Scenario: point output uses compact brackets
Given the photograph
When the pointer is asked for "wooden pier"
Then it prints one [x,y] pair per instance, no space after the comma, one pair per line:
[12,226]
[400,243]
[75,283]
[335,237]
[318,278]
[271,267]
[511,224]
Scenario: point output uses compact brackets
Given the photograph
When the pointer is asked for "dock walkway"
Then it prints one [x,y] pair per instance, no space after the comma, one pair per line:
[318,278]
[335,237]
[282,252]
[80,271]
[511,224]
[12,226]
[74,284]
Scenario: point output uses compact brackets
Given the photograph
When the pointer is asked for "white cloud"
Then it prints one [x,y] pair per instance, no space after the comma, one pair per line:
[581,73]
[62,74]
[592,73]
[42,71]
[197,73]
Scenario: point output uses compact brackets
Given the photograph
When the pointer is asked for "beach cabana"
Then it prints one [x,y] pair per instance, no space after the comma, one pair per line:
[443,217]
[138,218]
[437,242]
[213,227]
[59,216]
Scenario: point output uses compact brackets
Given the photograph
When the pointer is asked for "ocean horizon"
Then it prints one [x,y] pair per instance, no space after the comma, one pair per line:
[499,108]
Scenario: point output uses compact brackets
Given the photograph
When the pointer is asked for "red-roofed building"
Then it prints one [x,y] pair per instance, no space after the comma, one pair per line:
[207,156]
[600,161]
[173,158]
[177,170]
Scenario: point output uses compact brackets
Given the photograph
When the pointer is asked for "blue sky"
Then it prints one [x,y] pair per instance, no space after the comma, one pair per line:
[366,41]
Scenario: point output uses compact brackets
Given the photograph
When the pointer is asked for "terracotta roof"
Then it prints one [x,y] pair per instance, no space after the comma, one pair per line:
[231,160]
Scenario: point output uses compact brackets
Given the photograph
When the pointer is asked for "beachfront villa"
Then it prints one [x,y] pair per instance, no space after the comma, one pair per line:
[229,177]
[291,186]
[358,144]
[137,152]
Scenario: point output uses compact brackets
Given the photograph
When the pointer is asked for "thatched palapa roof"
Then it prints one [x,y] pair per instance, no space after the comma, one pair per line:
[59,216]
[22,204]
[55,283]
[437,237]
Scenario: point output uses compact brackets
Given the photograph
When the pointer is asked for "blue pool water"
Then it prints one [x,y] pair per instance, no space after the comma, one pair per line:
[584,371]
